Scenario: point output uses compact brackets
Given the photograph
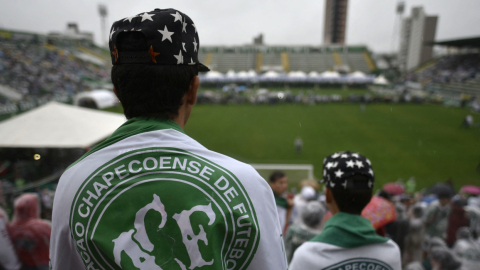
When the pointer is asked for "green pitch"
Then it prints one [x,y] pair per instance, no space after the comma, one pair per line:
[403,140]
[423,141]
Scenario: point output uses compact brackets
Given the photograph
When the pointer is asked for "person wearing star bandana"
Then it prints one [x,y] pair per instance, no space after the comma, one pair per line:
[150,197]
[348,241]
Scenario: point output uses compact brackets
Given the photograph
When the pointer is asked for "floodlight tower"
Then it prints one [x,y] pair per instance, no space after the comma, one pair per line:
[398,22]
[102,10]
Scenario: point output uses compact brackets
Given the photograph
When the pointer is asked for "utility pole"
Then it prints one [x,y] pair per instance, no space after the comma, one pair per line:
[102,10]
[398,24]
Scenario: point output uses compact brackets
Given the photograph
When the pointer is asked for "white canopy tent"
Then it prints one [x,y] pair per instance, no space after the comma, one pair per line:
[214,74]
[297,74]
[57,125]
[230,74]
[101,97]
[251,73]
[9,93]
[271,74]
[330,74]
[357,74]
[242,74]
[381,80]
[313,74]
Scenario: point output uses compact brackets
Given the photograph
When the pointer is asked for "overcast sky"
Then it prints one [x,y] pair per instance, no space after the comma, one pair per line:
[228,22]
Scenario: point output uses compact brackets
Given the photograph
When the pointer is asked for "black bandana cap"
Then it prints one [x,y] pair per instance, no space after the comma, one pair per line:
[338,169]
[172,39]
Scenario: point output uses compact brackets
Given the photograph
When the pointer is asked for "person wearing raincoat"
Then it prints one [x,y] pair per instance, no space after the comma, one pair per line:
[437,215]
[30,235]
[348,240]
[306,229]
[414,239]
[443,259]
[466,250]
[8,257]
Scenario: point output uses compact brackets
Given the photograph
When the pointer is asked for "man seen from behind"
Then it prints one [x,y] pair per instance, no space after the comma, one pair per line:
[348,241]
[150,197]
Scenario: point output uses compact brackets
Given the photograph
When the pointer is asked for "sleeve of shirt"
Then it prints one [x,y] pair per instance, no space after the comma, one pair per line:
[63,254]
[271,250]
[302,260]
[289,245]
[8,257]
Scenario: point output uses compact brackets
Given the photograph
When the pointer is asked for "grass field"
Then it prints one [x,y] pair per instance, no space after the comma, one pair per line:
[423,141]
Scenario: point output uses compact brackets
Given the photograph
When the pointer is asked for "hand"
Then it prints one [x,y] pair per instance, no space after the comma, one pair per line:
[290,203]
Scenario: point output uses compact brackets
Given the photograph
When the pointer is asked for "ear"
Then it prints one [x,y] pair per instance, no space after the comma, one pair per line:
[328,196]
[192,91]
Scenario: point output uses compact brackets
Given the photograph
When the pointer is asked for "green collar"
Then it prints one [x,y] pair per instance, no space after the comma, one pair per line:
[280,201]
[132,127]
[348,231]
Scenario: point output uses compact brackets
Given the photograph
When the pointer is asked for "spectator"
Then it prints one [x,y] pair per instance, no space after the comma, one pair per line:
[304,230]
[30,235]
[47,202]
[414,266]
[182,220]
[398,229]
[473,212]
[466,249]
[443,259]
[300,201]
[458,218]
[430,245]
[8,257]
[437,216]
[298,145]
[347,240]
[279,183]
[415,236]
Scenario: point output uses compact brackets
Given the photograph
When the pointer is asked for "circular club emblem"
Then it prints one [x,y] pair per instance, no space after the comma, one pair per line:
[360,264]
[163,208]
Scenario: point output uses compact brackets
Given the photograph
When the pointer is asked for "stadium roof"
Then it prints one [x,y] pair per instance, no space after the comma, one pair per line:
[464,42]
[57,125]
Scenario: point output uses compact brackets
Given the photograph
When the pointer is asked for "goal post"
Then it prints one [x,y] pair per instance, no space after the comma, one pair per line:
[295,172]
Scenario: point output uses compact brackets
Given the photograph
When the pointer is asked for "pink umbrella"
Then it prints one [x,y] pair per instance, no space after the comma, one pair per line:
[393,188]
[470,189]
[379,211]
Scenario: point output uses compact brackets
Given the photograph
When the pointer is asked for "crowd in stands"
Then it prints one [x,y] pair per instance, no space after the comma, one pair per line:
[452,68]
[37,71]
[434,228]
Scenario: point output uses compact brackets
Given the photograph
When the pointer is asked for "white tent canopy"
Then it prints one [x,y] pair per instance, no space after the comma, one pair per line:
[330,74]
[56,125]
[102,98]
[297,74]
[214,74]
[230,74]
[381,80]
[271,74]
[242,74]
[251,73]
[10,93]
[357,74]
[313,74]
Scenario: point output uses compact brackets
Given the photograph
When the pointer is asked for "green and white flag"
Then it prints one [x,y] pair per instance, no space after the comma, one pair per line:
[347,242]
[150,197]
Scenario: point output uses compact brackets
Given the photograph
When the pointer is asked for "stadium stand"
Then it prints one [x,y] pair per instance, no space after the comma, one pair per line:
[40,71]
[455,75]
[451,75]
[286,58]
